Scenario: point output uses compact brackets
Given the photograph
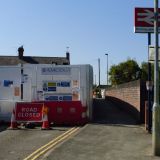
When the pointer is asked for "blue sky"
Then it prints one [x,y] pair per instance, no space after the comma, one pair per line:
[90,28]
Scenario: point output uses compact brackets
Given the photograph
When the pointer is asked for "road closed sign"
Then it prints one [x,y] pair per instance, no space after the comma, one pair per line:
[29,112]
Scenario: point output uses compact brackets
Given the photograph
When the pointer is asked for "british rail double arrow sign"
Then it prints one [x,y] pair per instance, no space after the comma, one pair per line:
[144,20]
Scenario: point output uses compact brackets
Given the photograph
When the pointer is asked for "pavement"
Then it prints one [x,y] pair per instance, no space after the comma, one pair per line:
[113,135]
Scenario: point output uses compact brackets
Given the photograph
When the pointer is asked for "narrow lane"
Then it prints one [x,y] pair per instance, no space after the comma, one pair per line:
[112,136]
[104,111]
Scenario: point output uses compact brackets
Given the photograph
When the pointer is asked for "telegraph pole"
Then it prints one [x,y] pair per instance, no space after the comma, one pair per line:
[107,67]
[99,71]
[156,107]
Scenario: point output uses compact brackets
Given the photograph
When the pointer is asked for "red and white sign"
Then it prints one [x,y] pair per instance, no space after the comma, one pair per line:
[29,112]
[144,20]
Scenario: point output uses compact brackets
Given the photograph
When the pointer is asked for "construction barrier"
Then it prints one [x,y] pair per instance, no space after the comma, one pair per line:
[26,112]
[57,112]
[66,112]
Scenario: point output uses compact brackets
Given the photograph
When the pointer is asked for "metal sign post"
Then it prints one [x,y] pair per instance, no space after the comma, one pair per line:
[149,90]
[156,107]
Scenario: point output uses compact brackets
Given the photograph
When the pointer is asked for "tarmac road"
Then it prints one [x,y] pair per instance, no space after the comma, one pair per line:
[105,142]
[18,144]
[113,136]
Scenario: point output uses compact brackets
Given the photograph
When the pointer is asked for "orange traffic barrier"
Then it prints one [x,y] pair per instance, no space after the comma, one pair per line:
[13,124]
[45,122]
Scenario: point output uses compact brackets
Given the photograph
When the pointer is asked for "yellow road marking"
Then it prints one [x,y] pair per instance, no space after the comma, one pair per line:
[51,144]
[48,143]
[54,144]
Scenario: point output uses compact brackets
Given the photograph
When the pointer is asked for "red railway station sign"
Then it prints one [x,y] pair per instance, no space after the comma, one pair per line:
[29,112]
[144,20]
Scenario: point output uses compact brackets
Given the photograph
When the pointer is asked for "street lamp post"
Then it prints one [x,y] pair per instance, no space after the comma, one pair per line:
[99,72]
[156,107]
[107,67]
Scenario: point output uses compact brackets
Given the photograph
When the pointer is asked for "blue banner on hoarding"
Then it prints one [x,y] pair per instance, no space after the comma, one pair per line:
[7,83]
[58,98]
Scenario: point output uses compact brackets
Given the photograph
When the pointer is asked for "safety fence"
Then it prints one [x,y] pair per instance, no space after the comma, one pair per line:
[55,112]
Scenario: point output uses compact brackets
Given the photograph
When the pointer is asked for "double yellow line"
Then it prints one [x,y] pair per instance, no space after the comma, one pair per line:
[52,144]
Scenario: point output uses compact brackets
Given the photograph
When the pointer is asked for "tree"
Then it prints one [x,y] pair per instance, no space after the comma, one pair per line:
[124,72]
[144,71]
[114,75]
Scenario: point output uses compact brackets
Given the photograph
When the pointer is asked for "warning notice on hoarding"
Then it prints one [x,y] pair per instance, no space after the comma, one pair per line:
[16,91]
[29,112]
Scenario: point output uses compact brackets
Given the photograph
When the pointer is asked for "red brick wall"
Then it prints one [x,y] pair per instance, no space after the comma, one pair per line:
[132,93]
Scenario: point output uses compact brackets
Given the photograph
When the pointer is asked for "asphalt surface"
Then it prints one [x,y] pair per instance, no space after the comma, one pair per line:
[114,135]
[18,144]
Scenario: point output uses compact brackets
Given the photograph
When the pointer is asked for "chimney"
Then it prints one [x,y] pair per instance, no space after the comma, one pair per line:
[20,52]
[68,55]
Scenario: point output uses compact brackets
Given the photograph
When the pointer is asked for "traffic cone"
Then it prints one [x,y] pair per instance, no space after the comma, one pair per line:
[13,124]
[45,122]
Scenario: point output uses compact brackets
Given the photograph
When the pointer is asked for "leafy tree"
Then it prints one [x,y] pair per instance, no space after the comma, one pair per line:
[144,71]
[124,72]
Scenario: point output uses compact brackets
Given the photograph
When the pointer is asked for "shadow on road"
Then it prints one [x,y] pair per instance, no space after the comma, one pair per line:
[3,127]
[106,112]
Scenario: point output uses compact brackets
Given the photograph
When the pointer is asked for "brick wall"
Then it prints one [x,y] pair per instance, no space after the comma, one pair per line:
[130,96]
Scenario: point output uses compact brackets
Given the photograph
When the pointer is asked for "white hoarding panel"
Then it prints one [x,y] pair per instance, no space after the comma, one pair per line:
[10,79]
[47,82]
